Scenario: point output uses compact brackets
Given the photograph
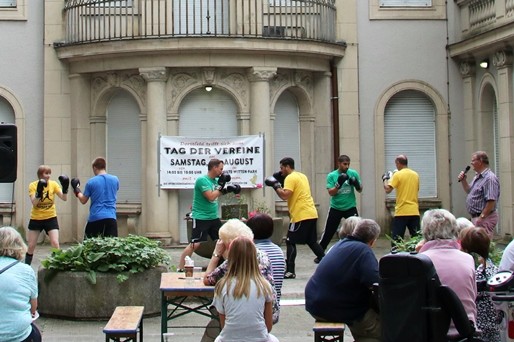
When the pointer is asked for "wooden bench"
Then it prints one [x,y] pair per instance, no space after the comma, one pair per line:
[328,332]
[124,323]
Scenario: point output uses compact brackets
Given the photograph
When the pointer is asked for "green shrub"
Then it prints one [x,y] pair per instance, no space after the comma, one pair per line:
[123,255]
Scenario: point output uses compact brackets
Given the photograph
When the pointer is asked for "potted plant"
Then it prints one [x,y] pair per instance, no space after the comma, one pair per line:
[88,280]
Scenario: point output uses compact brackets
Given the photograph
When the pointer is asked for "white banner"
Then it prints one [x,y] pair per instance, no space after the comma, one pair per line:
[184,159]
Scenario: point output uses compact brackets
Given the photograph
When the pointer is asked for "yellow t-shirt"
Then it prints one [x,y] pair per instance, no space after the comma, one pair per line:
[45,209]
[300,204]
[406,183]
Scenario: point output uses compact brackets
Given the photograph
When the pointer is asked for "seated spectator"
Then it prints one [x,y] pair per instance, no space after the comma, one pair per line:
[455,268]
[230,230]
[340,288]
[476,240]
[243,297]
[462,223]
[18,290]
[348,226]
[507,260]
[262,228]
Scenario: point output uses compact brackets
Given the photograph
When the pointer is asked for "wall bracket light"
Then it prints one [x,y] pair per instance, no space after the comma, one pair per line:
[208,88]
[484,64]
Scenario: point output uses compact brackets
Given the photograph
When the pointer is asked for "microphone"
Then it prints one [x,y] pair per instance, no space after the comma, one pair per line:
[466,170]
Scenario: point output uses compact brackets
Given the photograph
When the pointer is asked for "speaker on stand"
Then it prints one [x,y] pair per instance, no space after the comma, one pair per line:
[8,153]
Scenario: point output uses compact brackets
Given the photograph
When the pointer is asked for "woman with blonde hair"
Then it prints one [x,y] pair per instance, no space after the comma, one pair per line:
[43,215]
[18,290]
[243,297]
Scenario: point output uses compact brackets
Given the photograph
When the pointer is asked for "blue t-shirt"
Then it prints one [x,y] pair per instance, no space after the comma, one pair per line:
[340,288]
[102,190]
[18,286]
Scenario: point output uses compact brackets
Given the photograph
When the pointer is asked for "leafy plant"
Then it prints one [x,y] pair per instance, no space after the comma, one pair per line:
[123,255]
[405,245]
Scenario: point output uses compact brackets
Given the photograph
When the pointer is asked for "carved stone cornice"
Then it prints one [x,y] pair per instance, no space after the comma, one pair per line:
[502,58]
[260,74]
[102,82]
[467,69]
[157,74]
[179,83]
[239,85]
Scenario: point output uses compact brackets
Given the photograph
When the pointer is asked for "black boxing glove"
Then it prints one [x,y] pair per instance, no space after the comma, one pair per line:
[280,178]
[343,177]
[40,186]
[387,175]
[223,179]
[353,181]
[273,182]
[65,183]
[75,183]
[235,188]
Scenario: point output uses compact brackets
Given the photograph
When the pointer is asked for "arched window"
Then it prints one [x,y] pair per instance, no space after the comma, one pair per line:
[409,123]
[124,145]
[7,116]
[207,115]
[287,130]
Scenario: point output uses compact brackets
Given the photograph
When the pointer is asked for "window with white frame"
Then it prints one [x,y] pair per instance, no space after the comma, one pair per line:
[204,114]
[13,10]
[287,122]
[409,124]
[405,3]
[124,146]
[407,9]
[6,116]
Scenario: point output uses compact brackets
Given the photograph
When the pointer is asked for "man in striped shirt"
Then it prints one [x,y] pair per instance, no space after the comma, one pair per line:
[483,193]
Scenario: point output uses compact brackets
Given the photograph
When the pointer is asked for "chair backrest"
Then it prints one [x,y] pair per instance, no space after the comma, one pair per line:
[451,304]
[409,305]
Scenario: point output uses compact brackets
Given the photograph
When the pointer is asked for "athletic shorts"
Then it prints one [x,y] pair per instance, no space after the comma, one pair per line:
[303,232]
[46,225]
[202,228]
[101,228]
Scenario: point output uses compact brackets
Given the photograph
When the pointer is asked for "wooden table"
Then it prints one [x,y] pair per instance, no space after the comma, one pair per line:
[181,296]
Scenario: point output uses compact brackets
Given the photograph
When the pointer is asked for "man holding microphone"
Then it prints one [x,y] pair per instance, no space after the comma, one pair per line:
[483,193]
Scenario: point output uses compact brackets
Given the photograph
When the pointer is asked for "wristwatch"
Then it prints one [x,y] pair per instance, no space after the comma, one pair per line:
[214,254]
[482,216]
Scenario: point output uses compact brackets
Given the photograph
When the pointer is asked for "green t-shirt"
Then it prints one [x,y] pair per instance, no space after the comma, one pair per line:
[204,209]
[345,197]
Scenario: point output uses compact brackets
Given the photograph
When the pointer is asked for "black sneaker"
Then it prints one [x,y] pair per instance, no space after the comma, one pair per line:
[317,260]
[289,275]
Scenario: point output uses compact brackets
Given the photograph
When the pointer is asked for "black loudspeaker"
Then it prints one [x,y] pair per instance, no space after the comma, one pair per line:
[8,153]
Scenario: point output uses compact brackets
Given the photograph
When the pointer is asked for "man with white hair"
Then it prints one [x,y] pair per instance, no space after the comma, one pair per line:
[340,288]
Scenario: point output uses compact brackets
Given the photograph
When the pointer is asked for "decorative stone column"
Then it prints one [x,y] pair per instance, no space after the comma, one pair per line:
[260,122]
[81,158]
[323,143]
[155,204]
[467,71]
[502,60]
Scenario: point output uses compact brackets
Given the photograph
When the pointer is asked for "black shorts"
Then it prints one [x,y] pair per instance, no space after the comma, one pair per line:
[202,228]
[46,225]
[101,228]
[303,232]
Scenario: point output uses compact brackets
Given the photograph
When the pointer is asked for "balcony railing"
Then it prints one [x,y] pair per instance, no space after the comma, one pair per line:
[90,21]
[478,16]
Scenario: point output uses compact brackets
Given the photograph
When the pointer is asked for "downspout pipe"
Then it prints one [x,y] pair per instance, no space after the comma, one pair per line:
[334,101]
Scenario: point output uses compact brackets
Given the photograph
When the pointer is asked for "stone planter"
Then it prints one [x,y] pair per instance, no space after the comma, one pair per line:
[206,248]
[71,295]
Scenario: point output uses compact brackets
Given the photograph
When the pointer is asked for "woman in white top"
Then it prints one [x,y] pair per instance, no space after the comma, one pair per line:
[243,297]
